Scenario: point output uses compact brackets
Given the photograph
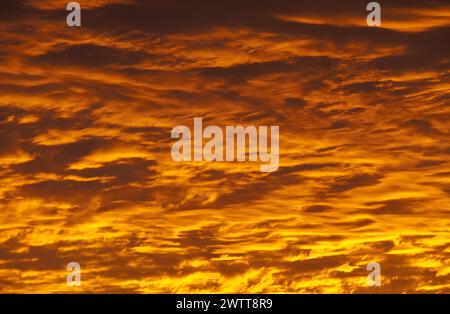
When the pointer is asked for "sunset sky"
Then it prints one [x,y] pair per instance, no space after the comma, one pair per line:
[86,173]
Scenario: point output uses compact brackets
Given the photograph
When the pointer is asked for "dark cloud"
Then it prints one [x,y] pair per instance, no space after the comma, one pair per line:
[295,102]
[421,126]
[91,56]
[32,258]
[126,171]
[317,208]
[356,181]
[56,159]
[11,10]
[356,224]
[395,207]
[314,264]
[62,190]
[244,72]
[306,167]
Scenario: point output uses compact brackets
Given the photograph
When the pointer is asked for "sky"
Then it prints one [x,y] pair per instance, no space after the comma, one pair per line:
[86,173]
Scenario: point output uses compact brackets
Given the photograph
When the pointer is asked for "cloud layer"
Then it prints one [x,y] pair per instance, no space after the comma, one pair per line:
[86,173]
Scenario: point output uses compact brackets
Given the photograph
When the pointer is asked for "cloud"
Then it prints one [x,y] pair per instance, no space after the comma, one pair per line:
[353,182]
[85,167]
